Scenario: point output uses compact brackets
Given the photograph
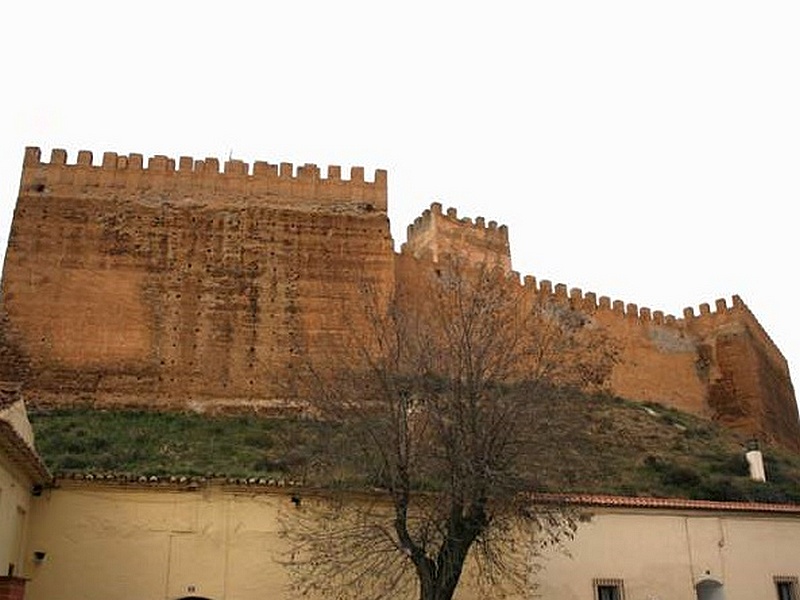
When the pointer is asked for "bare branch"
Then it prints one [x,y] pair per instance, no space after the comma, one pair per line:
[437,390]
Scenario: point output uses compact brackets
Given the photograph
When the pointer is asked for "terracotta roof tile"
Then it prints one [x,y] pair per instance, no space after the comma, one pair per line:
[588,500]
[669,503]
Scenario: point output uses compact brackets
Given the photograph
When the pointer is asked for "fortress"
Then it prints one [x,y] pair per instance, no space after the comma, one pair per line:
[175,285]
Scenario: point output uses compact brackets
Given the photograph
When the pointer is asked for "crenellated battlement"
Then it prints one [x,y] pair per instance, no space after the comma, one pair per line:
[424,228]
[191,177]
[590,302]
[441,233]
[425,241]
[716,361]
[430,217]
[710,320]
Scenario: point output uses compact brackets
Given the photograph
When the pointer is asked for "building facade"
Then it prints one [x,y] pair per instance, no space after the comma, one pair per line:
[22,478]
[170,541]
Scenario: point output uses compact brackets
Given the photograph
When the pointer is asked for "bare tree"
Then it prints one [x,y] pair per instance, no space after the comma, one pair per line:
[436,391]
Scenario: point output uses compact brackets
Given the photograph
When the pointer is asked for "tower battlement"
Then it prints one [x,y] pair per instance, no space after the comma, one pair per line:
[479,227]
[705,320]
[437,234]
[199,178]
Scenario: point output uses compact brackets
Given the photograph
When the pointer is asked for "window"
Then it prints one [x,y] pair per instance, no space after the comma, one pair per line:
[607,592]
[786,588]
[609,589]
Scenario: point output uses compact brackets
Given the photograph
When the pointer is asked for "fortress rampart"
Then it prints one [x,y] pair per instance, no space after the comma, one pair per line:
[705,322]
[187,287]
[718,363]
[200,178]
[179,285]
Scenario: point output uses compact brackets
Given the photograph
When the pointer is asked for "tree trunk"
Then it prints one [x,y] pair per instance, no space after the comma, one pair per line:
[438,588]
[439,581]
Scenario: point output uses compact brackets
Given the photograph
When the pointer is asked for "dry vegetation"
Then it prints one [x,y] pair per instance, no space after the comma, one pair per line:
[577,443]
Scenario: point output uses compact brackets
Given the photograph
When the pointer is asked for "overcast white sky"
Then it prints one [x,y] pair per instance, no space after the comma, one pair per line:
[644,150]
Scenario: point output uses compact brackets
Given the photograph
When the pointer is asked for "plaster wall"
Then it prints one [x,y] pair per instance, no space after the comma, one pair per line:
[111,543]
[15,497]
[663,555]
[103,542]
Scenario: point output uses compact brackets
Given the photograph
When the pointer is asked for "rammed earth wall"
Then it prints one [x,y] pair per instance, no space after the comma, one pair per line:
[174,284]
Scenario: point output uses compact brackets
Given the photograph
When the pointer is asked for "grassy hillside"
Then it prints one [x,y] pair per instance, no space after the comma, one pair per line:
[577,443]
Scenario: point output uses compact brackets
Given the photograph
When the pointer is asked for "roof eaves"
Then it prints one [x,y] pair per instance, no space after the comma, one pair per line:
[666,503]
[22,455]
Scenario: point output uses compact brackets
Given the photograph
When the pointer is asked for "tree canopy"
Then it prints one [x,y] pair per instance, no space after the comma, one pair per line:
[437,396]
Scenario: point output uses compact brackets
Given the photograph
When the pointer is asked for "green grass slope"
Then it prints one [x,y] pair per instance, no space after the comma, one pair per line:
[576,444]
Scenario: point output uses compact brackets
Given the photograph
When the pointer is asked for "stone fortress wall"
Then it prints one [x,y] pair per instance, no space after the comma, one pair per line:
[719,364]
[182,287]
[178,285]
